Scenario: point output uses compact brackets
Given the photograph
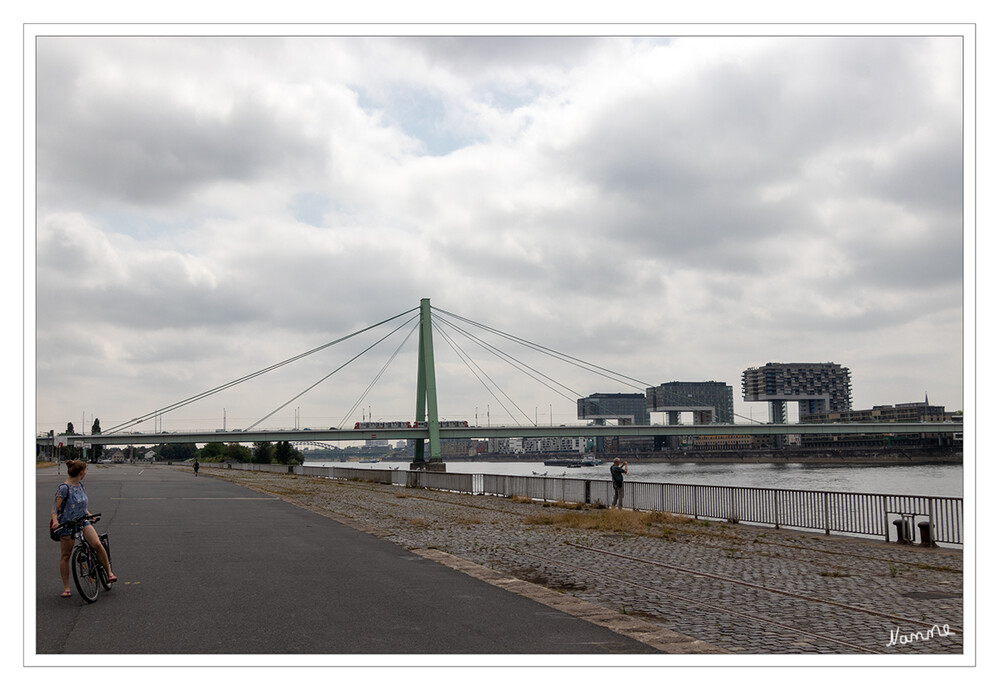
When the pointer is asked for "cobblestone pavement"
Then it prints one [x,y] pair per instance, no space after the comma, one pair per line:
[743,589]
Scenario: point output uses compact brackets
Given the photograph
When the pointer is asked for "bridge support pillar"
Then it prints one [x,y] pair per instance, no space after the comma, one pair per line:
[426,392]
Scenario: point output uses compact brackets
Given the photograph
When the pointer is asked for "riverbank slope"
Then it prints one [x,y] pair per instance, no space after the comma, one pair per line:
[738,588]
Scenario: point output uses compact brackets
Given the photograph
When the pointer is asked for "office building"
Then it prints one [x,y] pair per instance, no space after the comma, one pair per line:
[817,388]
[624,408]
[909,413]
[710,401]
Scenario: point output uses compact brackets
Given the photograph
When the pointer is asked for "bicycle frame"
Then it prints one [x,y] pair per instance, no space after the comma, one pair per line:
[87,570]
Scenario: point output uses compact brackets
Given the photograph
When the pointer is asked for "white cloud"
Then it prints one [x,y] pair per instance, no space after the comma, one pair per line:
[668,208]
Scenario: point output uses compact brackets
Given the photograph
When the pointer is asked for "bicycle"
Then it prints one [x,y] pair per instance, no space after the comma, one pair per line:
[88,573]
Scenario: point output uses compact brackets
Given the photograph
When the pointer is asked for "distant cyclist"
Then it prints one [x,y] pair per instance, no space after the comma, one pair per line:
[196,466]
[71,503]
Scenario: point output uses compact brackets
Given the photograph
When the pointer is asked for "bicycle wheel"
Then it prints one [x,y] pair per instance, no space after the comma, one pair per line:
[100,568]
[85,567]
[102,575]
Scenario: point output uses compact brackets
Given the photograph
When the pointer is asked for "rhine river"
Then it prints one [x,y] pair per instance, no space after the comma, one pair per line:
[915,480]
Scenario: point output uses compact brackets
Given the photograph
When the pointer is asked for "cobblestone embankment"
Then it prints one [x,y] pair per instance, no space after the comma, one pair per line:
[684,586]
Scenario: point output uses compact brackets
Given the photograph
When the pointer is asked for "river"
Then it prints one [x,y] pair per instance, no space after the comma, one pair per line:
[943,479]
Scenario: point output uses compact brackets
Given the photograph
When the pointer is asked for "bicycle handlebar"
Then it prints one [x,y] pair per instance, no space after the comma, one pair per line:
[78,522]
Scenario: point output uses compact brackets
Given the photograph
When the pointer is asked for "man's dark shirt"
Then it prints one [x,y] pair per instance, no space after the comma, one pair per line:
[617,475]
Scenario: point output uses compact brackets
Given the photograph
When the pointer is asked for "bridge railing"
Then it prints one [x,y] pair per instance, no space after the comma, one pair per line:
[831,512]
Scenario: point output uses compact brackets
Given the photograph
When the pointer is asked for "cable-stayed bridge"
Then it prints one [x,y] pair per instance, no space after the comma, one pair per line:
[487,432]
[431,429]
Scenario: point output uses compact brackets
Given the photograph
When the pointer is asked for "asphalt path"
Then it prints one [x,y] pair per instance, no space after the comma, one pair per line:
[209,567]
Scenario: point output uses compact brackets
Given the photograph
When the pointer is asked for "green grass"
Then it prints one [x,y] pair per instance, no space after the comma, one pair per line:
[622,521]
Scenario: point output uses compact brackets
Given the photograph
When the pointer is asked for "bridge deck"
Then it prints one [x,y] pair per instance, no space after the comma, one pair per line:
[486,432]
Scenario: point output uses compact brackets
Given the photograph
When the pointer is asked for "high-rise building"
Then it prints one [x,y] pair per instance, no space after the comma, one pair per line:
[627,407]
[710,401]
[816,387]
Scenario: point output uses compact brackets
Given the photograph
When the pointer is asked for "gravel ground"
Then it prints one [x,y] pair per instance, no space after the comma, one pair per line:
[735,588]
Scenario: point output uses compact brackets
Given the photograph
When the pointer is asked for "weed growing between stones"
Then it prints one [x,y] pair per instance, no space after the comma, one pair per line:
[620,521]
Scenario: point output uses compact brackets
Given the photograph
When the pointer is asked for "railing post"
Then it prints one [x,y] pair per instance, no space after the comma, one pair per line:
[933,522]
[776,509]
[825,510]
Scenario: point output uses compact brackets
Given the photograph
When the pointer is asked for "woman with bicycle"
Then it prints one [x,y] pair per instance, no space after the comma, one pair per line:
[70,504]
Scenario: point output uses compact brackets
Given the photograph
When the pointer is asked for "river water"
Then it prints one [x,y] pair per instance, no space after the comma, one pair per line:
[915,480]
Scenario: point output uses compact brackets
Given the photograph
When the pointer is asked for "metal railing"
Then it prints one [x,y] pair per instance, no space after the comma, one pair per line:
[940,519]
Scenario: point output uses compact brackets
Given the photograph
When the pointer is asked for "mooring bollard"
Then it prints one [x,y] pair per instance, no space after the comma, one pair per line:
[926,534]
[902,528]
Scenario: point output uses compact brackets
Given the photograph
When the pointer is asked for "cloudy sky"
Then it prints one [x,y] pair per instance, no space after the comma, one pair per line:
[671,209]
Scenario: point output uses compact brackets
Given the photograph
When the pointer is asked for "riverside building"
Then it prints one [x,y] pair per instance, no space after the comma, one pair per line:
[816,387]
[624,408]
[908,413]
[709,401]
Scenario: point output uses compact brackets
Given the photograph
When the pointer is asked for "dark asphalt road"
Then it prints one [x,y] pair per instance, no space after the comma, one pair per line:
[209,567]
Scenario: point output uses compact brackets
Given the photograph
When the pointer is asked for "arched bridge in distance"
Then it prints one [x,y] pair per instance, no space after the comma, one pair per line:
[433,431]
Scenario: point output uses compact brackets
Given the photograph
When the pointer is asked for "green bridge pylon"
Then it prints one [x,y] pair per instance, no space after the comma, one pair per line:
[426,392]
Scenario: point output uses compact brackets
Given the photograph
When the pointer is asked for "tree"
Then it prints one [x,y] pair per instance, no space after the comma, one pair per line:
[212,452]
[263,452]
[70,452]
[177,451]
[95,430]
[285,454]
[237,453]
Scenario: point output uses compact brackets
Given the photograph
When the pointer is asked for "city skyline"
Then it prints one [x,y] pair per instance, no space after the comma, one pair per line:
[672,208]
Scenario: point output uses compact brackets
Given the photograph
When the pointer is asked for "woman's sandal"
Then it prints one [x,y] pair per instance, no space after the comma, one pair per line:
[66,593]
[112,580]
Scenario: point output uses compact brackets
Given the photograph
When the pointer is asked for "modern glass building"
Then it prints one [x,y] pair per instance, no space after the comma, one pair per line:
[710,401]
[816,387]
[625,408]
[629,407]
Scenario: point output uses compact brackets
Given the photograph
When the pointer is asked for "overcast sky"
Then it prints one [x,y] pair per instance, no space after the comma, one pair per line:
[672,209]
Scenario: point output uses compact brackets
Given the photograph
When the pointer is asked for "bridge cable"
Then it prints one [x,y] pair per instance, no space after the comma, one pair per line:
[593,368]
[217,389]
[466,359]
[507,357]
[386,365]
[521,366]
[503,355]
[342,366]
